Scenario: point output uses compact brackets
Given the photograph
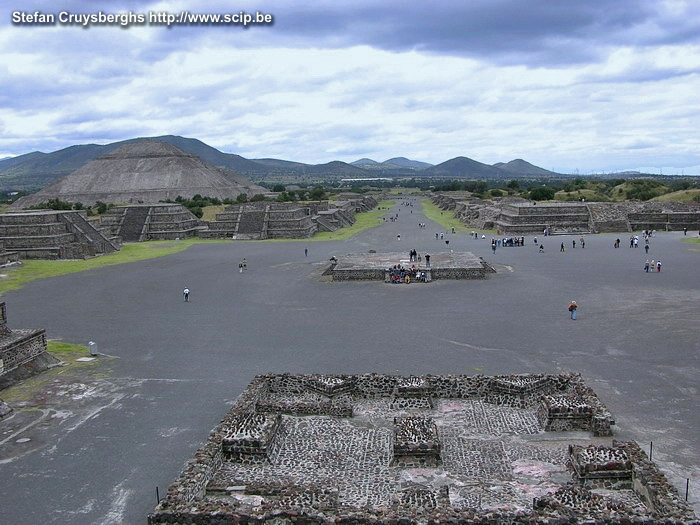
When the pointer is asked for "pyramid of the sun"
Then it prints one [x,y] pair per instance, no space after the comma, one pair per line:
[143,172]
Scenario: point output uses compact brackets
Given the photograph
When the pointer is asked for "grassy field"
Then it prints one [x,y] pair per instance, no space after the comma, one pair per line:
[26,390]
[16,277]
[679,196]
[211,211]
[446,218]
[695,241]
[363,221]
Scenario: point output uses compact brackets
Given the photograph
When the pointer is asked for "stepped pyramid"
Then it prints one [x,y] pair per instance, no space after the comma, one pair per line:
[143,172]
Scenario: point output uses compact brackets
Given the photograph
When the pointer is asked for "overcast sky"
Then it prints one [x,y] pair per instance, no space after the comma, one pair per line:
[567,85]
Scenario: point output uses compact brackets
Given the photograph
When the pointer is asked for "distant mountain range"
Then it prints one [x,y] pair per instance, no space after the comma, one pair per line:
[37,170]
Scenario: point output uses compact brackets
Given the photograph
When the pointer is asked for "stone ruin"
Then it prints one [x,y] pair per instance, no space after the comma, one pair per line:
[151,222]
[50,234]
[419,449]
[23,352]
[516,216]
[285,220]
[377,266]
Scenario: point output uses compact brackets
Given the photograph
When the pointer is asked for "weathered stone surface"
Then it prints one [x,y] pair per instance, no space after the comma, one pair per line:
[53,235]
[143,172]
[344,469]
[23,352]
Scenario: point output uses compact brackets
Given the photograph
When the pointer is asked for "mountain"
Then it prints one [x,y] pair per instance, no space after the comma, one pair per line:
[37,170]
[463,167]
[143,171]
[521,167]
[403,162]
[361,163]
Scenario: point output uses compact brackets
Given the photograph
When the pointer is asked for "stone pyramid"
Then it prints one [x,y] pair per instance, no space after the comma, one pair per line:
[143,172]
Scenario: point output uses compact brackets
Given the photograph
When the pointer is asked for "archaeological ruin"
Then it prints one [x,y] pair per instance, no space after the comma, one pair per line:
[23,352]
[150,222]
[397,267]
[285,220]
[516,216]
[385,449]
[141,173]
[51,234]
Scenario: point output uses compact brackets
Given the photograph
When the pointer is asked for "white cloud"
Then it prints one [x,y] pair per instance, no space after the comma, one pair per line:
[338,92]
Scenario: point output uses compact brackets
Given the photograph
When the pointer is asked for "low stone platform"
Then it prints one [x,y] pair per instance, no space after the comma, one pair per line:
[375,266]
[473,452]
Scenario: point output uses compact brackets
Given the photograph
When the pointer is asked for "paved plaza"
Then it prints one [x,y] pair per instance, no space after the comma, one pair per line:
[100,446]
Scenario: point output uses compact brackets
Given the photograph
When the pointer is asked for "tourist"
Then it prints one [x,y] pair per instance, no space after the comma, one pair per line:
[306,252]
[562,248]
[240,267]
[658,265]
[398,237]
[652,265]
[427,260]
[685,230]
[573,243]
[245,264]
[186,295]
[541,248]
[646,247]
[646,266]
[583,242]
[572,309]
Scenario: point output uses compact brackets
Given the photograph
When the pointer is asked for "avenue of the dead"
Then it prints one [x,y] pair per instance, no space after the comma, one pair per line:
[100,444]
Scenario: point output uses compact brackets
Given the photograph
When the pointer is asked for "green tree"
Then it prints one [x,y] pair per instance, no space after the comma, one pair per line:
[258,197]
[317,193]
[242,197]
[513,185]
[542,193]
[278,188]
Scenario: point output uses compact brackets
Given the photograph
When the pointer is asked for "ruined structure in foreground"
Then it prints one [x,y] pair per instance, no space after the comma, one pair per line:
[390,449]
[23,353]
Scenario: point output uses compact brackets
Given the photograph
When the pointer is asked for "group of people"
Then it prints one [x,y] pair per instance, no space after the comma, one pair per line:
[650,266]
[401,275]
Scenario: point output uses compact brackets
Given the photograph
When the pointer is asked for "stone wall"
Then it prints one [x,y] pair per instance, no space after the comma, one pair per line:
[211,491]
[20,348]
[53,235]
[515,216]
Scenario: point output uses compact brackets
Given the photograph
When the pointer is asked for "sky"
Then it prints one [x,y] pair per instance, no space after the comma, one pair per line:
[572,86]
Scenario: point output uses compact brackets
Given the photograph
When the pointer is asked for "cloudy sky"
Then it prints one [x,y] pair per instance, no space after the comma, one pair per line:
[568,85]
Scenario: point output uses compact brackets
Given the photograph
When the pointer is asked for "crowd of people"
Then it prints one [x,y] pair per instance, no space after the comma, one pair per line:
[398,274]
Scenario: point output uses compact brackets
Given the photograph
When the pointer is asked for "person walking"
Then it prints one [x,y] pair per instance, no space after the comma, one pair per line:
[427,260]
[306,252]
[562,248]
[572,309]
[573,243]
[646,248]
[658,265]
[186,295]
[541,248]
[646,266]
